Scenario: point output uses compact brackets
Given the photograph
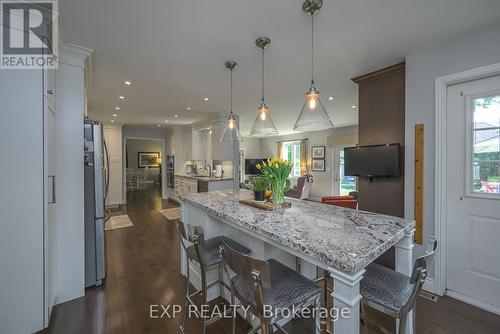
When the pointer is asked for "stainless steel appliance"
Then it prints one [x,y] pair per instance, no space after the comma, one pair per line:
[96,178]
[170,171]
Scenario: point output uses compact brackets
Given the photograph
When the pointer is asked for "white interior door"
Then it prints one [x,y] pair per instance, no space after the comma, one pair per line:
[473,203]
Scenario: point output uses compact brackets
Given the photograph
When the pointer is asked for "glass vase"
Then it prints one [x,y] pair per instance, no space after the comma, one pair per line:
[278,196]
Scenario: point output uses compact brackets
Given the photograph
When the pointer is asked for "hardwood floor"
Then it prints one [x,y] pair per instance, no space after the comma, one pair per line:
[143,269]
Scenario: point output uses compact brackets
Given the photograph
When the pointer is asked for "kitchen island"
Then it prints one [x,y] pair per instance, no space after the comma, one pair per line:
[342,241]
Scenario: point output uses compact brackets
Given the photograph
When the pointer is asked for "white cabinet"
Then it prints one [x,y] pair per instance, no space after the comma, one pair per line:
[220,151]
[113,140]
[201,145]
[184,186]
[27,207]
[187,143]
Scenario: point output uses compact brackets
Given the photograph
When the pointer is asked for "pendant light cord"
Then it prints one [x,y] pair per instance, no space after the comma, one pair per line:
[231,92]
[262,64]
[312,48]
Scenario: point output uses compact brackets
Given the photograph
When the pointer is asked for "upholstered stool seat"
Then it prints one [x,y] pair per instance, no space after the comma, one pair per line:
[206,253]
[392,292]
[386,287]
[268,285]
[211,254]
[288,288]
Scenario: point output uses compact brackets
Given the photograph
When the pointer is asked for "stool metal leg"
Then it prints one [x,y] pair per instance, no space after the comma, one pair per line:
[183,326]
[204,295]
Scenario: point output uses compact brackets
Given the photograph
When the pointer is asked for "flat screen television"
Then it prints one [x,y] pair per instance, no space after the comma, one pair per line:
[373,161]
[250,164]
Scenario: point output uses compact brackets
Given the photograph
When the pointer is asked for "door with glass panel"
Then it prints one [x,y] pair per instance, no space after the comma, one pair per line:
[473,193]
[342,184]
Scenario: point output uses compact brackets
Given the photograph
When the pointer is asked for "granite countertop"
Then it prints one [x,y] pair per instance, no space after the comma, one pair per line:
[344,239]
[205,178]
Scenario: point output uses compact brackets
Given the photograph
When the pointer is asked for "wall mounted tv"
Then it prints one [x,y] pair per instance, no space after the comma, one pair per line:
[250,164]
[373,161]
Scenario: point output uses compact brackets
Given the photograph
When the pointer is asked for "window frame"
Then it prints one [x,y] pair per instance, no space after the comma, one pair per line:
[288,142]
[469,146]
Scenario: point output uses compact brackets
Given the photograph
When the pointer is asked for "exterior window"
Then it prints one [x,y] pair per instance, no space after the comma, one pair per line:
[291,152]
[484,145]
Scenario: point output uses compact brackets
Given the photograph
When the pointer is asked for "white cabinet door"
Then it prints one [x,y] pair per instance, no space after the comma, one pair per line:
[113,138]
[50,226]
[188,150]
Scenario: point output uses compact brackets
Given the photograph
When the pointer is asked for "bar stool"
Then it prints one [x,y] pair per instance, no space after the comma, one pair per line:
[207,255]
[259,283]
[393,293]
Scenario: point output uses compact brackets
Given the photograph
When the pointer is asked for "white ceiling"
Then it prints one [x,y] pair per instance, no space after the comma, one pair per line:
[174,52]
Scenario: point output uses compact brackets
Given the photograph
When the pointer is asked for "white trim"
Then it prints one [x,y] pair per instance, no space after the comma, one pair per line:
[473,302]
[441,85]
[429,285]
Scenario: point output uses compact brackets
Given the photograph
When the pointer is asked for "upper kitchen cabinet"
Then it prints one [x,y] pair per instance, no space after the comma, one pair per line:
[220,151]
[188,143]
[201,145]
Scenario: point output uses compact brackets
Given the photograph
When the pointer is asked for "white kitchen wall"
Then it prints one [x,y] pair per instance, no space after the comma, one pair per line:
[422,68]
[252,148]
[323,181]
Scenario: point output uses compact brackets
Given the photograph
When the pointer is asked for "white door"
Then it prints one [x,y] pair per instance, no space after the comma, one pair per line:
[342,184]
[50,221]
[473,203]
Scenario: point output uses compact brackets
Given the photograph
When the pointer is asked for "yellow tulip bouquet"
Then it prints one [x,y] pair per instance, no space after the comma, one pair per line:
[277,171]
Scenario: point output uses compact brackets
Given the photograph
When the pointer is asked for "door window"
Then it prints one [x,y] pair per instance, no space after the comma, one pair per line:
[484,146]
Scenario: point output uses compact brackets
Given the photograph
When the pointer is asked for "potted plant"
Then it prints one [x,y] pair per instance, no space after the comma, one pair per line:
[277,170]
[259,186]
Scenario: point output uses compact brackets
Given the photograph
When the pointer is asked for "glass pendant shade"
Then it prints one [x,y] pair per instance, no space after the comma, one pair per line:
[263,125]
[313,116]
[231,133]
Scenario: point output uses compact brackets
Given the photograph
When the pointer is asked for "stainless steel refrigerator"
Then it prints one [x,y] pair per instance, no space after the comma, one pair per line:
[96,171]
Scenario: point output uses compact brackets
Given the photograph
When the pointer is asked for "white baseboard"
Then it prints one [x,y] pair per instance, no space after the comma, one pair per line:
[473,302]
[429,285]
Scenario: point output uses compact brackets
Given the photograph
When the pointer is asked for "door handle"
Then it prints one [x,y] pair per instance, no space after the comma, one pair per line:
[53,199]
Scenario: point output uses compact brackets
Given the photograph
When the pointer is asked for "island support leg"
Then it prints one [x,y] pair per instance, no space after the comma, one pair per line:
[346,299]
[404,265]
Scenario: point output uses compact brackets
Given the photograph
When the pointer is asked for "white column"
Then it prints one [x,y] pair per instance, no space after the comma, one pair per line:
[346,299]
[404,265]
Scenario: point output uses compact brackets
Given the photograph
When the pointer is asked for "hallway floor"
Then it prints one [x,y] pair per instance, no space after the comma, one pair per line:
[143,269]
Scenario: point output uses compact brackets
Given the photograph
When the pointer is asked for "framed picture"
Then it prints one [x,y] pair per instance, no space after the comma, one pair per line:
[147,159]
[318,165]
[318,152]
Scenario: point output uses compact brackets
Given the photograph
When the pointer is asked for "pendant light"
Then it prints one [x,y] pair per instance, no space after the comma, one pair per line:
[231,132]
[313,115]
[263,125]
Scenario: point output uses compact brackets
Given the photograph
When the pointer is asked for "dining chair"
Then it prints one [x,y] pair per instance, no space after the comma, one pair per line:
[266,287]
[394,293]
[206,254]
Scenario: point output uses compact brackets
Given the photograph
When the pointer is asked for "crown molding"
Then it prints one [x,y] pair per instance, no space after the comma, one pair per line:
[381,73]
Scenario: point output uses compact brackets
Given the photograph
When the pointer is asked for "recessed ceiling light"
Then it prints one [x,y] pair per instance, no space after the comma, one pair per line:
[331,98]
[166,121]
[206,99]
[114,115]
[158,124]
[188,108]
[128,83]
[117,108]
[176,116]
[354,106]
[112,121]
[121,97]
